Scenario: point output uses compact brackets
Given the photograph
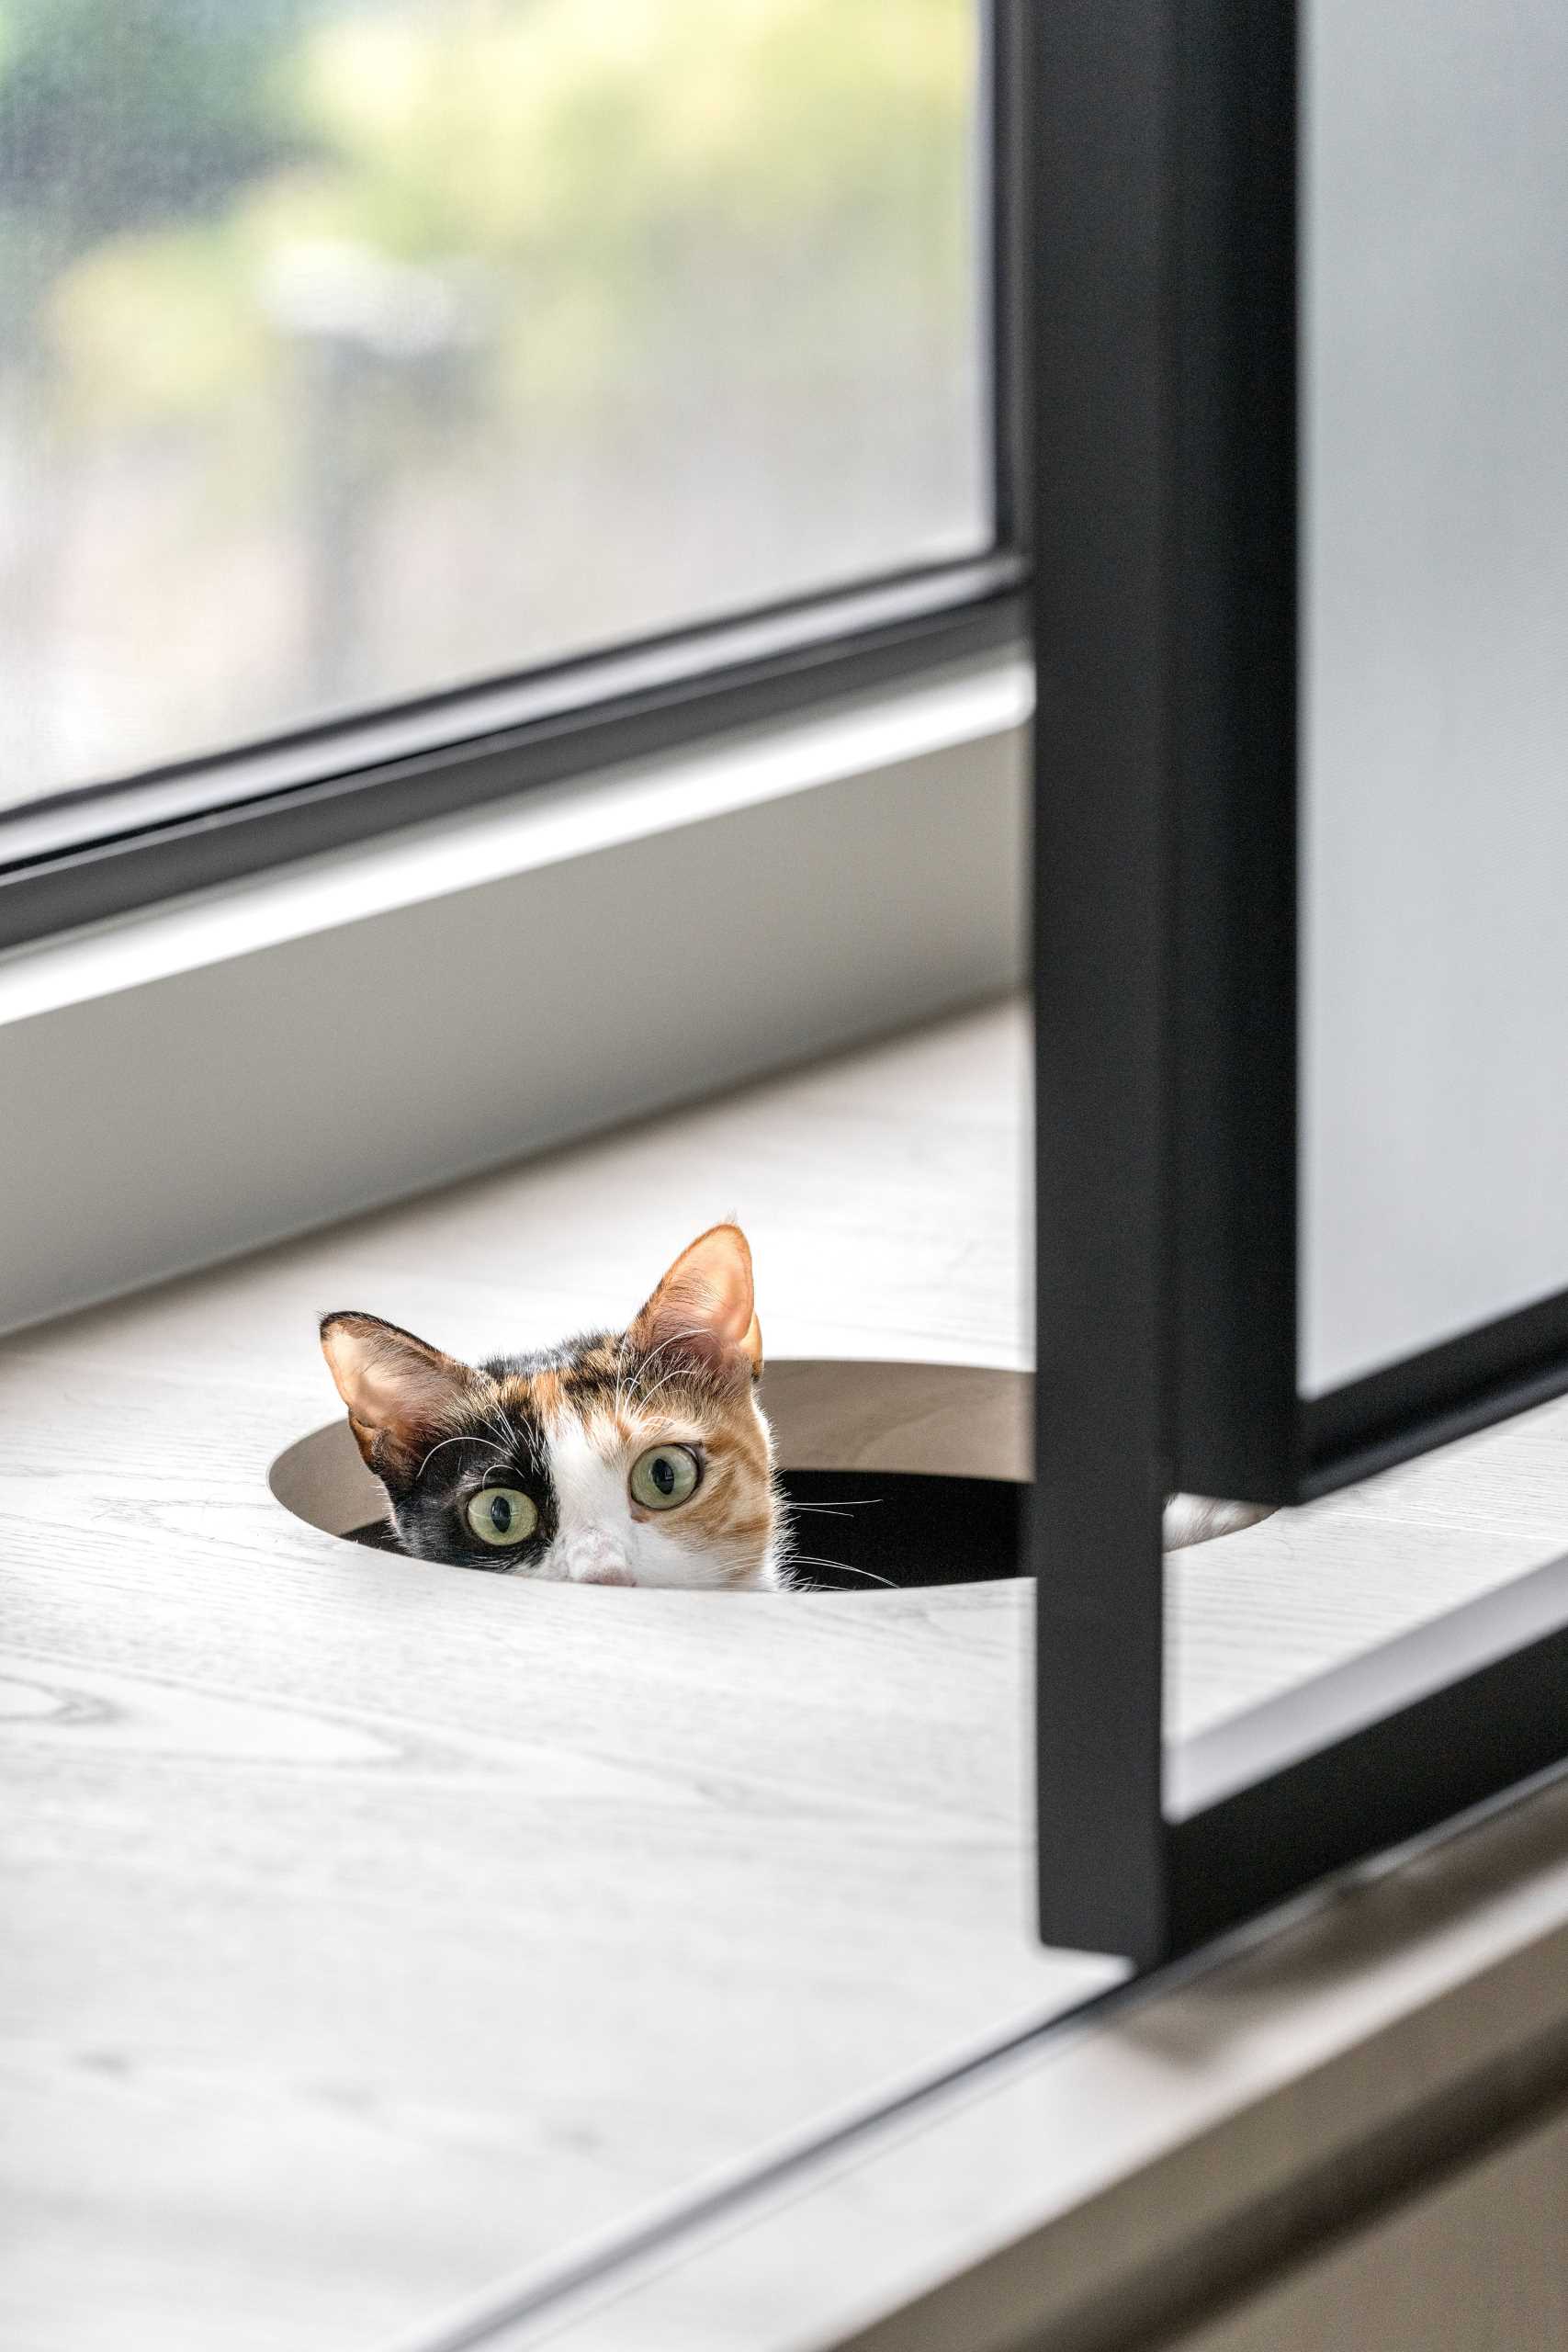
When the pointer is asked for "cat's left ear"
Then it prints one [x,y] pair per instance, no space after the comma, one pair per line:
[402,1393]
[705,1307]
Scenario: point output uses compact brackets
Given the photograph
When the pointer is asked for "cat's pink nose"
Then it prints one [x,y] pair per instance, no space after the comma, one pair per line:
[602,1572]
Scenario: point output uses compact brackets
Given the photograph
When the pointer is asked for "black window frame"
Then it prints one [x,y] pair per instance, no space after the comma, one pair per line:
[1166,985]
[128,843]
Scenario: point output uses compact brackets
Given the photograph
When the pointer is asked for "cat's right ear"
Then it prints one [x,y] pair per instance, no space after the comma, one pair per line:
[704,1307]
[402,1393]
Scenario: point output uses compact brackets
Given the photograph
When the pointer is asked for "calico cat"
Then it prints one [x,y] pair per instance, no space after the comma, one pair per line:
[639,1457]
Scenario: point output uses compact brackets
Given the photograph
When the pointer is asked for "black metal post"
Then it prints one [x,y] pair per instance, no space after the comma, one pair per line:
[1100,77]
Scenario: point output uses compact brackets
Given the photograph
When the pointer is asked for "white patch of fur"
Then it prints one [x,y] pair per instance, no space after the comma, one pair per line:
[598,1542]
[595,1540]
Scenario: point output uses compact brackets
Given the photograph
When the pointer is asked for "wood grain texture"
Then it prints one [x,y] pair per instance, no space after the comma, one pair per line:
[1096,2190]
[375,1929]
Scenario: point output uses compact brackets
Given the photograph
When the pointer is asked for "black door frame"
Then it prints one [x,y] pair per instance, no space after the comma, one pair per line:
[1162,229]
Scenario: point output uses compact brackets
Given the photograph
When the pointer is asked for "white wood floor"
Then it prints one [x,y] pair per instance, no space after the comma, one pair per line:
[375,1930]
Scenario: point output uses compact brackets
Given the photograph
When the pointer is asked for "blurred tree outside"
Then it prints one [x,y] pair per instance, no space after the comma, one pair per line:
[455,335]
[113,113]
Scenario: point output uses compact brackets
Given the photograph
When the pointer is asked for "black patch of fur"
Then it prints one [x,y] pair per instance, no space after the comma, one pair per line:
[564,1360]
[430,1508]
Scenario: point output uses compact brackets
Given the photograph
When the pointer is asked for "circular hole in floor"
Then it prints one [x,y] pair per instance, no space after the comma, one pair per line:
[898,1474]
[855,1531]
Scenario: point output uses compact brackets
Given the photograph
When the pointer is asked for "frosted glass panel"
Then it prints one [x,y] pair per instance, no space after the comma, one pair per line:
[1435,674]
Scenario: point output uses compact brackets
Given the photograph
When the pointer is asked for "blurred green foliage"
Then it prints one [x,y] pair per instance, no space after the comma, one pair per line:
[800,164]
[117,112]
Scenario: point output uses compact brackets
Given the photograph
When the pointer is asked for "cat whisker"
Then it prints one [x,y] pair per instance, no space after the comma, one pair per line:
[618,1401]
[673,1340]
[496,1422]
[648,1395]
[837,1510]
[813,1560]
[644,1401]
[463,1437]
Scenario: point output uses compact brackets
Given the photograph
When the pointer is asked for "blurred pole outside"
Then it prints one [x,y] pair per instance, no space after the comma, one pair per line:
[34,488]
[371,335]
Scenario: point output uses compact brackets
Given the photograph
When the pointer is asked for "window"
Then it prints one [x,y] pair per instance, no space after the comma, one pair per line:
[1291,396]
[362,351]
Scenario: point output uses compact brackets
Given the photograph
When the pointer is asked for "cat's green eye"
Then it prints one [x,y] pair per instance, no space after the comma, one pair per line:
[502,1515]
[664,1476]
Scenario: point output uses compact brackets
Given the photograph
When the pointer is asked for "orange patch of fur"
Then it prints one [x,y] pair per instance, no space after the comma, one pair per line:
[733,1510]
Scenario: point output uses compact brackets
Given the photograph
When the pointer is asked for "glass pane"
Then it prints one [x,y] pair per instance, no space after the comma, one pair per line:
[355,349]
[1435,678]
[1434,716]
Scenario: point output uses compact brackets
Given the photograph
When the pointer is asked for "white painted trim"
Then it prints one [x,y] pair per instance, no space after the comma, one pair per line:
[205,1076]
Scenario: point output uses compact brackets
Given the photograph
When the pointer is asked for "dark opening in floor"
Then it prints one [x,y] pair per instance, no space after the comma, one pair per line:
[859,1530]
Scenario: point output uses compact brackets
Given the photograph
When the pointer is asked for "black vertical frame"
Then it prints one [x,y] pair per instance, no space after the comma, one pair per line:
[1005,128]
[1100,71]
[1162,235]
[1232,1069]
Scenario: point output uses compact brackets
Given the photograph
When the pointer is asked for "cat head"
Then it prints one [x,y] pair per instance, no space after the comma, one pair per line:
[637,1457]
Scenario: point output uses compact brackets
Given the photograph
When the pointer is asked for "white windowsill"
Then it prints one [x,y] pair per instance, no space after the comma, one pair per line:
[228,1069]
[518,836]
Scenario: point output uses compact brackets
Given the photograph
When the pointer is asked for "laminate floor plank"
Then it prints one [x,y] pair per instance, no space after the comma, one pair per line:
[375,1929]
